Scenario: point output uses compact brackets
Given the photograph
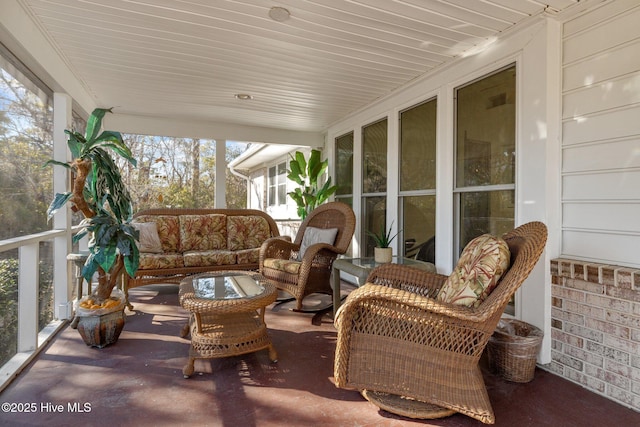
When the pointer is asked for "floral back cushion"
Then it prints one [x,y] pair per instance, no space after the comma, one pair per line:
[246,232]
[168,230]
[482,263]
[203,232]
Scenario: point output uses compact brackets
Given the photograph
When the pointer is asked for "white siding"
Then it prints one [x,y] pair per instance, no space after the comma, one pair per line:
[601,135]
[256,196]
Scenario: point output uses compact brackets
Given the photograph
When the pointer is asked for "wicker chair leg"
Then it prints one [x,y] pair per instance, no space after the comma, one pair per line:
[188,369]
[273,354]
[184,331]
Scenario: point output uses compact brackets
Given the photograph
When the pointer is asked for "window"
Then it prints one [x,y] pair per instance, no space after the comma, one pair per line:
[418,180]
[485,156]
[344,173]
[344,167]
[374,181]
[277,185]
[26,143]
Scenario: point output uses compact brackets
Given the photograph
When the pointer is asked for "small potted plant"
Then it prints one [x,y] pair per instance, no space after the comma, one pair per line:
[382,252]
[99,193]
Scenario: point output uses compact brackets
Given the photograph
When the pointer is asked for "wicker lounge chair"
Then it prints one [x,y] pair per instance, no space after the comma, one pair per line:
[415,356]
[281,265]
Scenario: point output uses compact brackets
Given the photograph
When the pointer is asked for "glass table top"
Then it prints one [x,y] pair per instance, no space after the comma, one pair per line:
[226,286]
[369,262]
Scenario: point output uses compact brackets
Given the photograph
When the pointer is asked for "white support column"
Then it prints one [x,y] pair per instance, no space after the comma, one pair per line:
[62,119]
[358,242]
[220,200]
[28,279]
[393,179]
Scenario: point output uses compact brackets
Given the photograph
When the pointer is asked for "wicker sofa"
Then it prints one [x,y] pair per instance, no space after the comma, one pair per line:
[175,243]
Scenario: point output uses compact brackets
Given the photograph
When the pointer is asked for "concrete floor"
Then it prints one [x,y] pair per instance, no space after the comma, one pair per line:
[138,382]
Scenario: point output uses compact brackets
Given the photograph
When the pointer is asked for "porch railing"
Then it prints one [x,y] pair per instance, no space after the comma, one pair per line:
[31,334]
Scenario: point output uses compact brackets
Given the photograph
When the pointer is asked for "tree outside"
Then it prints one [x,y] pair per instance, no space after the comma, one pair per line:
[179,172]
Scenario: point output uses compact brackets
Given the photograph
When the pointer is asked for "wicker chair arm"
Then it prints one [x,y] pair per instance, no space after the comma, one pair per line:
[277,247]
[324,250]
[407,278]
[372,294]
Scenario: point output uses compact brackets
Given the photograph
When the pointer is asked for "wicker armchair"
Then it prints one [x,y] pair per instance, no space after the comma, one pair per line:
[311,274]
[396,341]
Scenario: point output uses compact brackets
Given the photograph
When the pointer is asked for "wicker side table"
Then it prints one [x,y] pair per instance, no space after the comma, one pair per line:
[227,315]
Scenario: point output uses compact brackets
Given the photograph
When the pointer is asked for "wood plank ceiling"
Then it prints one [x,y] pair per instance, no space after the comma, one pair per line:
[188,58]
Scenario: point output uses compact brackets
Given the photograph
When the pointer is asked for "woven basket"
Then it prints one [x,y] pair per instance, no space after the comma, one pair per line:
[512,350]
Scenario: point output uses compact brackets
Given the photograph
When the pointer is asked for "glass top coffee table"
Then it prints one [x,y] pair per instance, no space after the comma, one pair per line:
[227,315]
[361,267]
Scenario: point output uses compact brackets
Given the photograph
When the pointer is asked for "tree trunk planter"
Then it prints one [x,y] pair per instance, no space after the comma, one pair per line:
[102,330]
[100,327]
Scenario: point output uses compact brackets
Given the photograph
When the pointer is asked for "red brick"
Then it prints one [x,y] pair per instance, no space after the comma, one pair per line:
[592,273]
[608,328]
[624,278]
[608,275]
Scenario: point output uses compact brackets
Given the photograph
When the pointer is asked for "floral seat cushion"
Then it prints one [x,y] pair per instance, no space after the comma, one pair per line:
[152,261]
[286,265]
[209,258]
[482,263]
[248,256]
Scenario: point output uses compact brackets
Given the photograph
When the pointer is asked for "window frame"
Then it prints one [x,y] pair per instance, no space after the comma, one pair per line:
[402,194]
[279,180]
[458,191]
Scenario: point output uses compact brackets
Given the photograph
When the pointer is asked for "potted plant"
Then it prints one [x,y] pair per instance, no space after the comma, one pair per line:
[99,193]
[306,174]
[382,252]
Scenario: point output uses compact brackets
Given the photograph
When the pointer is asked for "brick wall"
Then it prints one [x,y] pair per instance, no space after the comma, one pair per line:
[595,328]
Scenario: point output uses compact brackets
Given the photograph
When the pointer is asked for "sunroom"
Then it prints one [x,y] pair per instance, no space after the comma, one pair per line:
[438,118]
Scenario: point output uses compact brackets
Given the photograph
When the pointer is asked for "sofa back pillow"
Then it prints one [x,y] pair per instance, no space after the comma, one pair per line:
[148,240]
[203,232]
[168,230]
[481,264]
[313,235]
[246,231]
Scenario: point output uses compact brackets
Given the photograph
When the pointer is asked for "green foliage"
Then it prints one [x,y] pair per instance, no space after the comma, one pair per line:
[9,304]
[383,238]
[105,194]
[8,308]
[306,174]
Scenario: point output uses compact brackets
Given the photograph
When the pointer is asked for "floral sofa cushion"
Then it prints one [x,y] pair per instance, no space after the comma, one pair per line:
[150,261]
[209,258]
[168,230]
[203,232]
[246,232]
[248,256]
[481,264]
[288,266]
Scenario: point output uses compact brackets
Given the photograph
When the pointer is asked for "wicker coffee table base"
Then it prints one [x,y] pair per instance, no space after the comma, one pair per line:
[406,407]
[227,335]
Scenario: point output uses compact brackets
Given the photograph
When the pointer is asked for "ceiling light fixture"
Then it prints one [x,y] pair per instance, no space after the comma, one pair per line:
[243,96]
[279,14]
